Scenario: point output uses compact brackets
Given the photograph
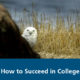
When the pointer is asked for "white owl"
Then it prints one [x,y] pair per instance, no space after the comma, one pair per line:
[30,34]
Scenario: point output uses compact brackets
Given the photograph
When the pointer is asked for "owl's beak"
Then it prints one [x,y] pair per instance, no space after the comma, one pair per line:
[30,33]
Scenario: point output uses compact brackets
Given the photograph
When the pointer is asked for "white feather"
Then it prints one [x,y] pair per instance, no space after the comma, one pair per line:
[30,34]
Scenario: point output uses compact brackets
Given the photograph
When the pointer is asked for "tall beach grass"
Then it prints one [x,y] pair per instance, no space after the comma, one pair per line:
[58,42]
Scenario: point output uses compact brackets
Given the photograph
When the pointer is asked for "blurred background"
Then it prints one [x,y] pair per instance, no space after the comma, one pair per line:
[49,8]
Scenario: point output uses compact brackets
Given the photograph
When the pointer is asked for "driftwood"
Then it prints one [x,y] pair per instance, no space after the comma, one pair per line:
[12,45]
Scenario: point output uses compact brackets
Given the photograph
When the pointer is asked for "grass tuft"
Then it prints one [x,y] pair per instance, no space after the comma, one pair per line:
[60,42]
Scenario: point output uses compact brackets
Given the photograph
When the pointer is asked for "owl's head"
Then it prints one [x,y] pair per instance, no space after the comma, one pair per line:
[30,31]
[30,34]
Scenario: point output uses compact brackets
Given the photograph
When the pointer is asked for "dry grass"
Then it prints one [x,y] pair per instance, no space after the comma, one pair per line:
[59,42]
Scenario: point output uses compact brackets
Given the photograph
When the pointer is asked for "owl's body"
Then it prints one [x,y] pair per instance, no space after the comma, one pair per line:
[30,34]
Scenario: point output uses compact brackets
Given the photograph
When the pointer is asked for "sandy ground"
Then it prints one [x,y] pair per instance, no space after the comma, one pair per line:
[57,56]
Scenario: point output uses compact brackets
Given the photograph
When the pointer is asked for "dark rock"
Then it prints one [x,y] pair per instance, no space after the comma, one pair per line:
[12,45]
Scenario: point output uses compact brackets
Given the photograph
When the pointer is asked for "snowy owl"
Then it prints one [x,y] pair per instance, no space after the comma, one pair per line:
[30,34]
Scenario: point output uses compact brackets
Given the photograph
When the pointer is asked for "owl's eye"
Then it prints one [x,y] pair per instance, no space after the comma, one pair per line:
[27,30]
